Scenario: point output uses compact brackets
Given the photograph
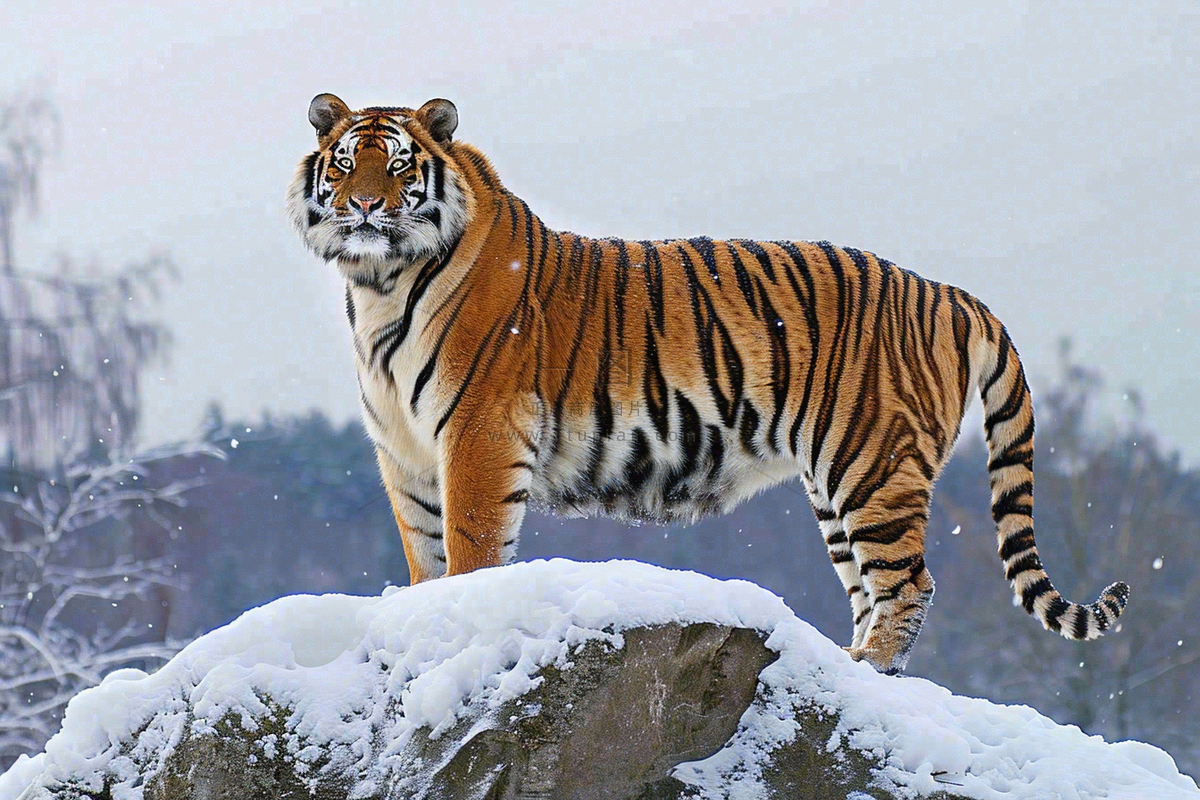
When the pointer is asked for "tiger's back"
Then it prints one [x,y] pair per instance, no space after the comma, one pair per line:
[503,363]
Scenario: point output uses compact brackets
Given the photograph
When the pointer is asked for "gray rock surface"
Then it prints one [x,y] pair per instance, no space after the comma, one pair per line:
[611,727]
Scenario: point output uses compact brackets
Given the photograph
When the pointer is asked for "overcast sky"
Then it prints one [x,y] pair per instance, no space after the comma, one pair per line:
[1042,155]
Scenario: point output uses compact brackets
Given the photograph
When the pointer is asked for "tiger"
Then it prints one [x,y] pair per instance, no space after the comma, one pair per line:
[502,363]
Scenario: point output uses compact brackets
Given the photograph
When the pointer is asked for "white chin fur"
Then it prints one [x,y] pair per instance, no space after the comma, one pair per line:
[366,245]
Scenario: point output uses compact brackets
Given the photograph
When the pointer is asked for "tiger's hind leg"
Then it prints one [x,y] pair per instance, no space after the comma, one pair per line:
[886,537]
[834,534]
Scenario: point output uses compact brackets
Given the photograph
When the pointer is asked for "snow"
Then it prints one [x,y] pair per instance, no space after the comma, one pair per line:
[479,640]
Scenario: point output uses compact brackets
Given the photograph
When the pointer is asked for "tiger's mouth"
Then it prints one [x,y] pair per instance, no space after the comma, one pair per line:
[369,240]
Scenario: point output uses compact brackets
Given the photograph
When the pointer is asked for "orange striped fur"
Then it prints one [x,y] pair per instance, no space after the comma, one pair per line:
[501,362]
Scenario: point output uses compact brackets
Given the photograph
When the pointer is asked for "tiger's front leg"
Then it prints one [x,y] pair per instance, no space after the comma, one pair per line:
[487,469]
[415,500]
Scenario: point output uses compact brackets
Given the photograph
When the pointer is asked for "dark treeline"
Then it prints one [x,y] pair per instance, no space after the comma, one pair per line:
[298,507]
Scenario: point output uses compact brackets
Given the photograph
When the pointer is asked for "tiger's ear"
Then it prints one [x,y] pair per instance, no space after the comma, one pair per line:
[440,118]
[325,111]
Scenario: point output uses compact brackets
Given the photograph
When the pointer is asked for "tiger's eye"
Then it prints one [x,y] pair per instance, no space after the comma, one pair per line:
[345,164]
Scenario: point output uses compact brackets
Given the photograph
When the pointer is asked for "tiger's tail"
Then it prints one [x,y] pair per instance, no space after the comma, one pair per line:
[1008,423]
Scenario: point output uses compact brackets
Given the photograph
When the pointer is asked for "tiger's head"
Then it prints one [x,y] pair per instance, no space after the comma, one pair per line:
[381,188]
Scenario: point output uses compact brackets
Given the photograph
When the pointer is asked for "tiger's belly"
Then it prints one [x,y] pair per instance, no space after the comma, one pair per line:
[638,474]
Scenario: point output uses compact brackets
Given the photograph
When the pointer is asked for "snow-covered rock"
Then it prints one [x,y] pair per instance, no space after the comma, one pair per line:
[556,679]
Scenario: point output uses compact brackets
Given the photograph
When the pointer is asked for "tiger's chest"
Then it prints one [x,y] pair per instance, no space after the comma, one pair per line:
[390,352]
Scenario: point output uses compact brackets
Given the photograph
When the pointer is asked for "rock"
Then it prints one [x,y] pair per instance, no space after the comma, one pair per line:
[554,680]
[575,736]
[579,735]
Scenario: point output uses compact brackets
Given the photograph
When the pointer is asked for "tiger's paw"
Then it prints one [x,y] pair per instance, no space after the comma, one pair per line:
[887,664]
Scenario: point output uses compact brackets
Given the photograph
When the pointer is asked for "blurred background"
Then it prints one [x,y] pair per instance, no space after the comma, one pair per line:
[177,397]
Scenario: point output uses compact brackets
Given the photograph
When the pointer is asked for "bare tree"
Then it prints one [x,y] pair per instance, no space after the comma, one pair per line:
[72,351]
[28,127]
[74,588]
[82,580]
[1128,508]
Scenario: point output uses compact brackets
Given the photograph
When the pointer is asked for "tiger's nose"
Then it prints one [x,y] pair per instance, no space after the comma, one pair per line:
[365,205]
